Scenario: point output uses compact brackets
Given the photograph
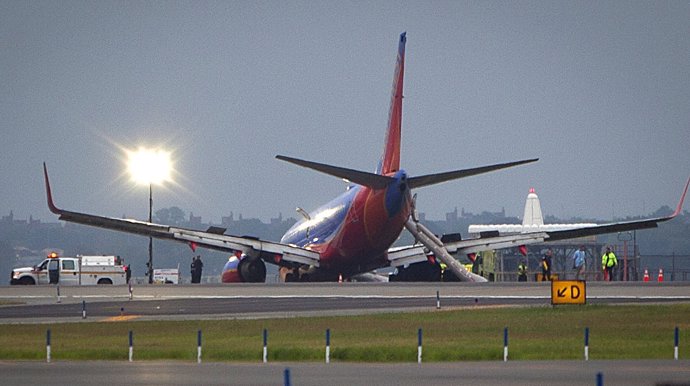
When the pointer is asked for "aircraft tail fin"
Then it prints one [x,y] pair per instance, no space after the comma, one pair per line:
[532,215]
[390,161]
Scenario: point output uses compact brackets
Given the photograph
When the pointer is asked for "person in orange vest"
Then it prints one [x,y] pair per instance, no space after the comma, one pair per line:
[608,263]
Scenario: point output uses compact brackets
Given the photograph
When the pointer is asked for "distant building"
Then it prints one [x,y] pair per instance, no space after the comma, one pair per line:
[194,220]
[10,220]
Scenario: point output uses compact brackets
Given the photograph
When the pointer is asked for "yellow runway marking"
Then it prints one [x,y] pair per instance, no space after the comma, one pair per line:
[121,318]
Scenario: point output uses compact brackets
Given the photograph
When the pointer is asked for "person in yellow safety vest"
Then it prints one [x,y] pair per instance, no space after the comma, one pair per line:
[608,262]
[546,265]
[522,271]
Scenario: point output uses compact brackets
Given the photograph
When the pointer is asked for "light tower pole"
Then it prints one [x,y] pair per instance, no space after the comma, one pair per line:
[149,167]
[150,264]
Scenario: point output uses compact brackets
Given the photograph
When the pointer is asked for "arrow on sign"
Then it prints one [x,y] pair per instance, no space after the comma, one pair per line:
[574,292]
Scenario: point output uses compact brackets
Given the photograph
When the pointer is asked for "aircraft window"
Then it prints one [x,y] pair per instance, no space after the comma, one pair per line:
[68,264]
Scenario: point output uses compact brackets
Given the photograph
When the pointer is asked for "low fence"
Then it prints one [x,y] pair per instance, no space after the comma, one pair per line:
[327,345]
[671,267]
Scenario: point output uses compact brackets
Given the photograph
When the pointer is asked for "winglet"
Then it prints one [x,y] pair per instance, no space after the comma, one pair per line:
[49,194]
[682,198]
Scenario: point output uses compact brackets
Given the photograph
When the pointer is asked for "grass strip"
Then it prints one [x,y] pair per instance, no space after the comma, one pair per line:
[536,333]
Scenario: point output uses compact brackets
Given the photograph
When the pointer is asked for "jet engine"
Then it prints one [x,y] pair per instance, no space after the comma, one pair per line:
[252,270]
[245,269]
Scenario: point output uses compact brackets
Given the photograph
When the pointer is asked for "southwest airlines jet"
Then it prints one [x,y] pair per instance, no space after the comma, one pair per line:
[352,235]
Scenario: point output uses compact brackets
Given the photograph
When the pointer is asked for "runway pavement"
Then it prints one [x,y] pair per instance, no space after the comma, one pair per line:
[40,304]
[34,304]
[613,373]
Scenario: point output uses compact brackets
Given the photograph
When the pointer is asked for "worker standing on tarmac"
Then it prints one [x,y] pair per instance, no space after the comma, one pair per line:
[608,263]
[522,271]
[128,273]
[477,265]
[579,262]
[546,265]
[196,268]
[53,268]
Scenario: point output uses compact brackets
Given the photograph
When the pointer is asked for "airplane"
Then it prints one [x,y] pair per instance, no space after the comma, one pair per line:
[532,220]
[351,235]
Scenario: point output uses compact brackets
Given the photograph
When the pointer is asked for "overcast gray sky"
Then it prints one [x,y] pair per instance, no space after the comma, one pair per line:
[598,90]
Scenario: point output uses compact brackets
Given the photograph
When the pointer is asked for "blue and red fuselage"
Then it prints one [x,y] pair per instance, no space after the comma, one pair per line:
[353,232]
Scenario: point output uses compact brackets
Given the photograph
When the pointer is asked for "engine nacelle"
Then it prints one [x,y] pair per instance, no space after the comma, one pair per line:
[230,272]
[252,270]
[245,269]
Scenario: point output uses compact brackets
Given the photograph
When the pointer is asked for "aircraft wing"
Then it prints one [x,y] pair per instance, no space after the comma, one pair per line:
[213,238]
[432,247]
[622,226]
[400,256]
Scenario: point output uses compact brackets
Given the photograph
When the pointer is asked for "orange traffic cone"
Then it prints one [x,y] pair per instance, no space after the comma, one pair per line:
[645,278]
[661,275]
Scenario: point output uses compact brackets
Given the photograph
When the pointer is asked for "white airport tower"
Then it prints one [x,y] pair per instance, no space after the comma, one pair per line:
[532,221]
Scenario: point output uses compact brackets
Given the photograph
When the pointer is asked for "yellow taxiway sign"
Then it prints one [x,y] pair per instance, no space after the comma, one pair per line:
[568,292]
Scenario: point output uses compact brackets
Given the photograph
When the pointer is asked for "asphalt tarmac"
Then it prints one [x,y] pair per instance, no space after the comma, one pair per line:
[36,304]
[612,373]
[20,304]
